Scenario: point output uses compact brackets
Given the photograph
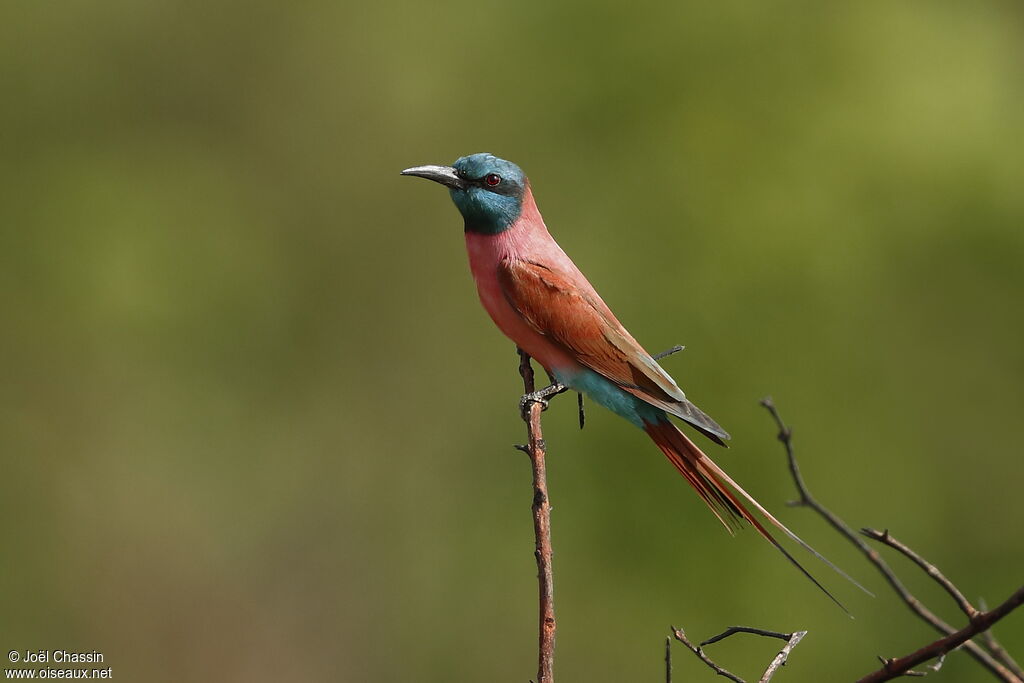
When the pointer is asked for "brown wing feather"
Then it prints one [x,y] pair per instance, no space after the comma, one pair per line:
[580,322]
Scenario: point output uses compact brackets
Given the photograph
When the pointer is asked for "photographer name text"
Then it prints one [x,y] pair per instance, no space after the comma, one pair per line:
[58,657]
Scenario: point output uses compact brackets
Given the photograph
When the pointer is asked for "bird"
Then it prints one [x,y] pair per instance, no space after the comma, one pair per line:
[540,300]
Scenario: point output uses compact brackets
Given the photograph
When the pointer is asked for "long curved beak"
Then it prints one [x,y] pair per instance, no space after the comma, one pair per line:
[445,175]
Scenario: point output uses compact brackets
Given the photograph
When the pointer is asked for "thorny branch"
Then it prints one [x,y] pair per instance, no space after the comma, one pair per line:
[792,640]
[996,660]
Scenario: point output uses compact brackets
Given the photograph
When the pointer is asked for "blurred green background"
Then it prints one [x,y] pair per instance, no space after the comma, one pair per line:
[255,425]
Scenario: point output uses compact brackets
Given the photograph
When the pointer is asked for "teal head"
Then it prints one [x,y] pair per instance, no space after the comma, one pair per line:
[488,191]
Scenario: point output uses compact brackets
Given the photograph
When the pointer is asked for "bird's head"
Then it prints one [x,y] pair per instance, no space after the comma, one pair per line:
[488,191]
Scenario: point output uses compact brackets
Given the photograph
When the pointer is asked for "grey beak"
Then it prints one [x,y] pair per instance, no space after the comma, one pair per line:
[445,175]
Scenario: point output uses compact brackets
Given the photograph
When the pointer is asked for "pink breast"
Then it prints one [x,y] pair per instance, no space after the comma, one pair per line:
[485,253]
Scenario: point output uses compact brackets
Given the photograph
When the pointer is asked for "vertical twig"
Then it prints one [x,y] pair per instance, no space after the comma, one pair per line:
[536,449]
[668,660]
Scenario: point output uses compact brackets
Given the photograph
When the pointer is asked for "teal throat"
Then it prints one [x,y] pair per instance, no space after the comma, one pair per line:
[486,212]
[489,194]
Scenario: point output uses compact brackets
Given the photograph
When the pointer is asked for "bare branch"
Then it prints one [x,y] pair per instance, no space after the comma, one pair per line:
[783,656]
[997,668]
[932,668]
[894,668]
[531,405]
[930,569]
[536,449]
[997,650]
[681,637]
[792,639]
[732,630]
[668,660]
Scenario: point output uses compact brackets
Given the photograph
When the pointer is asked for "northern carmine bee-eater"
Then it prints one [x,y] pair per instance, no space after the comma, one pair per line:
[539,298]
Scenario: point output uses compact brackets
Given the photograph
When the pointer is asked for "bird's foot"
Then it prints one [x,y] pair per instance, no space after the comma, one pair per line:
[540,397]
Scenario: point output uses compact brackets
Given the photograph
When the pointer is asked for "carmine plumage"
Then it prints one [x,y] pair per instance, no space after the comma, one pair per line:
[540,300]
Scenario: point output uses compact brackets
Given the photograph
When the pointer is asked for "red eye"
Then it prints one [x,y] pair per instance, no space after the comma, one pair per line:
[492,179]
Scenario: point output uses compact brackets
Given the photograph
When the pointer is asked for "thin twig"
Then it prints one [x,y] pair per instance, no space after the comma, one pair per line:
[932,668]
[783,656]
[531,406]
[930,569]
[997,650]
[668,660]
[792,640]
[733,630]
[536,449]
[976,651]
[894,668]
[681,637]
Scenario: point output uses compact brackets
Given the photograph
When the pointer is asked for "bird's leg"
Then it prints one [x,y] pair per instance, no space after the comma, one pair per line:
[541,396]
[668,352]
[579,396]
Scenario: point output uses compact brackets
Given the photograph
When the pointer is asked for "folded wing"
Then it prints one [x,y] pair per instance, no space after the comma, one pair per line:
[578,321]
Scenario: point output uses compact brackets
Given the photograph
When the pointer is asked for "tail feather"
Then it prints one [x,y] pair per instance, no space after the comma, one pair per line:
[713,486]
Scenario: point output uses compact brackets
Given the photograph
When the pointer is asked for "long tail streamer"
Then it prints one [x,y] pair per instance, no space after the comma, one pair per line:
[715,488]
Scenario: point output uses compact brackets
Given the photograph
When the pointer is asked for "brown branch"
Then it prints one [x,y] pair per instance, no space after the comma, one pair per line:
[531,406]
[792,640]
[997,650]
[536,449]
[911,673]
[894,668]
[998,669]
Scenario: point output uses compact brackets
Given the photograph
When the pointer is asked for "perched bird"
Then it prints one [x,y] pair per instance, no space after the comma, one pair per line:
[539,298]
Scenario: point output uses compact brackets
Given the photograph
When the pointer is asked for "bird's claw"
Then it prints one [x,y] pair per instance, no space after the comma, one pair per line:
[540,397]
[528,399]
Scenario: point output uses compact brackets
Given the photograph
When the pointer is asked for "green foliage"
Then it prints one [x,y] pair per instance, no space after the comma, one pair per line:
[255,425]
